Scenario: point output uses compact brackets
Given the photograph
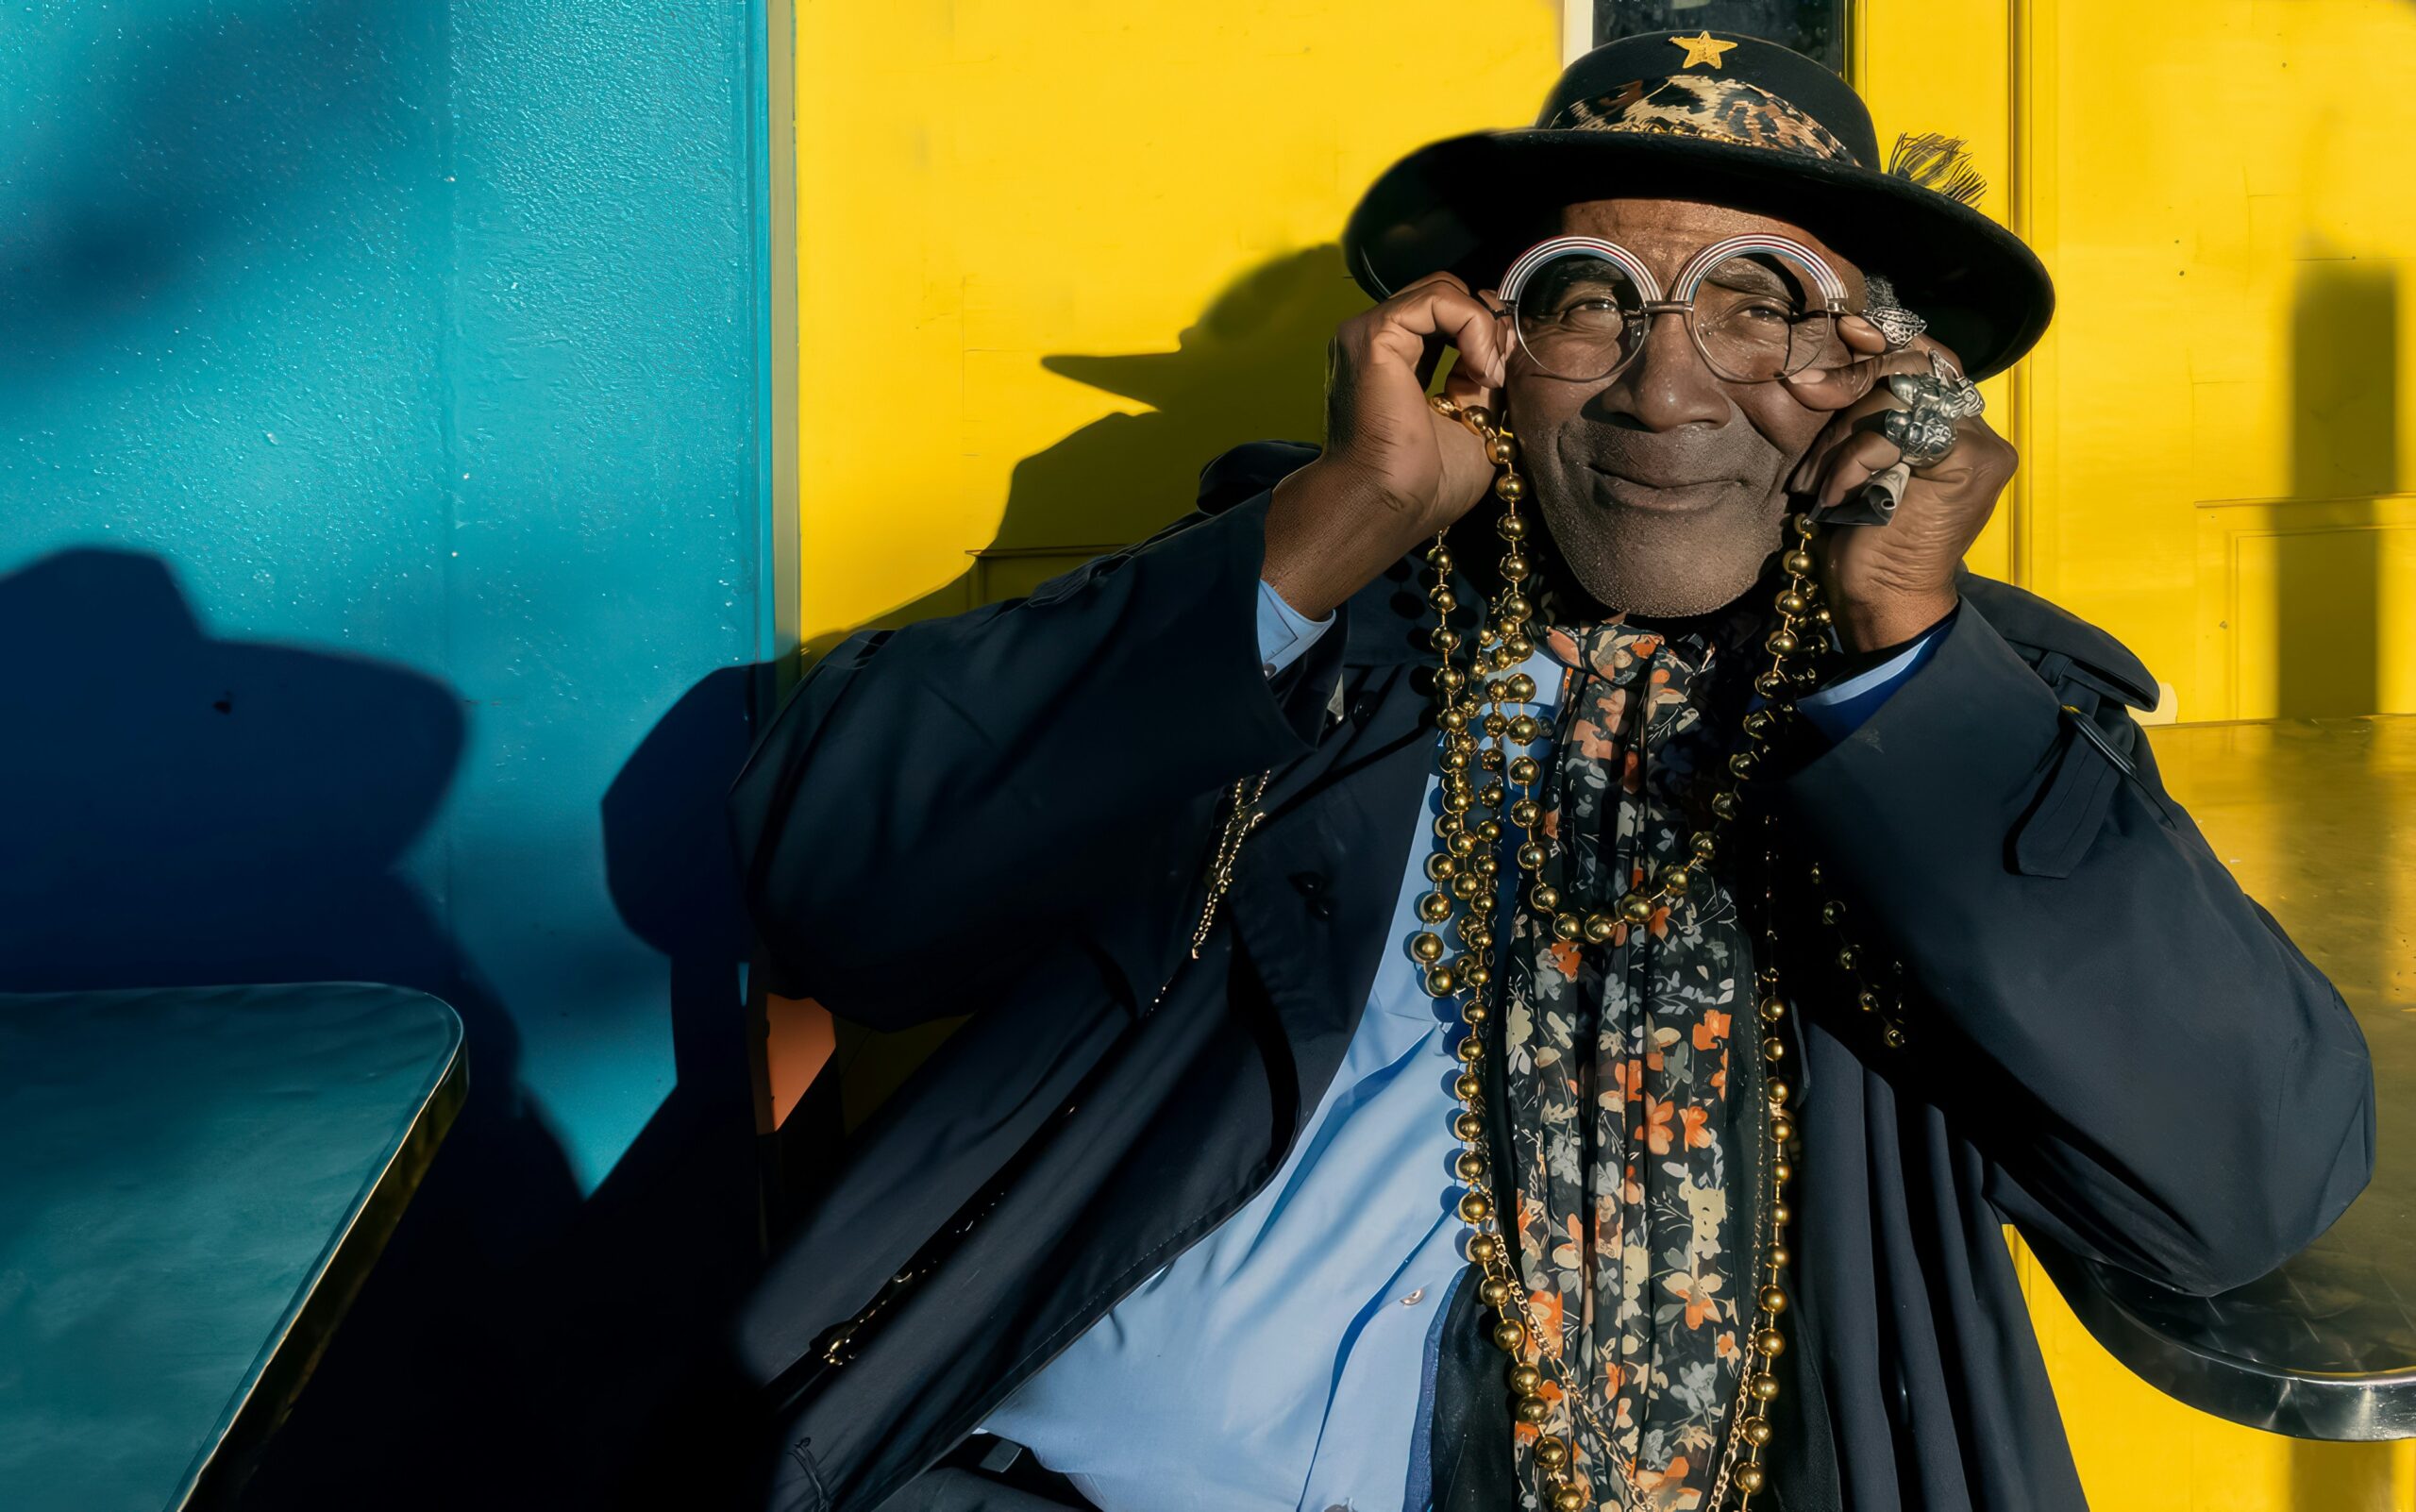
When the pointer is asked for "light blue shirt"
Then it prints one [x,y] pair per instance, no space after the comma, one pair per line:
[1282,1363]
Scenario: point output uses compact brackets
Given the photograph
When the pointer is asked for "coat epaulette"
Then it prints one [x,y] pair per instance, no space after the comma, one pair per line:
[2042,630]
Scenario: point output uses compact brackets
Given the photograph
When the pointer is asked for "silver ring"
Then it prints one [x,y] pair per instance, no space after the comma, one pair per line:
[1925,430]
[1898,324]
[1956,398]
[1922,435]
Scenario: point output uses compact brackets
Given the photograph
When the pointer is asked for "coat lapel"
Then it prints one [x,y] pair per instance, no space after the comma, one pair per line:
[1314,887]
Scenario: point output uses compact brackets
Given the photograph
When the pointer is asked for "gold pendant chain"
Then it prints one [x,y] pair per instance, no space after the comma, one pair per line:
[1483,785]
[1463,867]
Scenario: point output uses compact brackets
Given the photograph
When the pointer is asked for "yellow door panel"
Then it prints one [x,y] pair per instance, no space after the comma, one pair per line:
[2220,191]
[2307,604]
[1964,89]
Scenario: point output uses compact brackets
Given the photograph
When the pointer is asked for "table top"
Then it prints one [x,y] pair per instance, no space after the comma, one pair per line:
[195,1182]
[2317,818]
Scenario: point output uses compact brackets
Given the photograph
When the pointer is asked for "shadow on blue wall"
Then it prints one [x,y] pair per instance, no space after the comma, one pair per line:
[223,219]
[186,809]
[118,216]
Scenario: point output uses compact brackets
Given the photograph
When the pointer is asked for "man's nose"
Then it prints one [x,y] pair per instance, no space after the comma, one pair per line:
[1669,385]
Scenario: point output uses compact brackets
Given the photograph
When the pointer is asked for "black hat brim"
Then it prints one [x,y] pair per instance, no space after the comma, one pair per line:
[1470,205]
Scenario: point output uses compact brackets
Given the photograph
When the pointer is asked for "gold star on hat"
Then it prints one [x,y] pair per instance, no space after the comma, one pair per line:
[1701,49]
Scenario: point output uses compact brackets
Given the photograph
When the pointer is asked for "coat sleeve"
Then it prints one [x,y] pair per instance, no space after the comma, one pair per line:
[2159,1078]
[938,807]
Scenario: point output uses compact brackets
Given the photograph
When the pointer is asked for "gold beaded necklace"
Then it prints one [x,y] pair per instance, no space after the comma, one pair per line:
[1464,869]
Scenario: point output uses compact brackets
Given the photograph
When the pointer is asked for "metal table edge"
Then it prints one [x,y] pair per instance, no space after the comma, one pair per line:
[2340,1407]
[219,1467]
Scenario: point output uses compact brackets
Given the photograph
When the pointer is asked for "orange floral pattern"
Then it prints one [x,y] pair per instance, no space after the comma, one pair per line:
[1632,1237]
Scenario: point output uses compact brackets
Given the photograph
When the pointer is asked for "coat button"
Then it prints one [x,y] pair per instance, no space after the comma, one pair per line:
[1312,888]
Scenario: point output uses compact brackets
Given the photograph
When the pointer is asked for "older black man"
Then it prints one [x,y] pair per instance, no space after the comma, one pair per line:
[1522,958]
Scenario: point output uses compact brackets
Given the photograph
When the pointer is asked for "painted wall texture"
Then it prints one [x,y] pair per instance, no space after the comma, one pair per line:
[381,491]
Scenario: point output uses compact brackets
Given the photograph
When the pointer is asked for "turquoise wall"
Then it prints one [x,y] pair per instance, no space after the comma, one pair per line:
[384,508]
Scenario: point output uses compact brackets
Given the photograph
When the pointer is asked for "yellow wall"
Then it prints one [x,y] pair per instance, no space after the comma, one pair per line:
[2216,436]
[2214,443]
[2255,538]
[1012,211]
[1058,245]
[1010,214]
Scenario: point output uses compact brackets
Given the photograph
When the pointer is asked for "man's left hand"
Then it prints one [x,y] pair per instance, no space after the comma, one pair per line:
[1889,583]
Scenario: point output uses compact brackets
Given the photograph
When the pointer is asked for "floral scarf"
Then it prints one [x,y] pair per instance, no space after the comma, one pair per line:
[1635,1211]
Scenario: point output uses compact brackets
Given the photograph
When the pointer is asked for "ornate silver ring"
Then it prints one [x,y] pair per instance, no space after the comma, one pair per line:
[1922,435]
[1898,324]
[1956,398]
[1925,431]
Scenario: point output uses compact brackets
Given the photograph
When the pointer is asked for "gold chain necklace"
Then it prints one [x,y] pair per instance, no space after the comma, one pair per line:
[1464,869]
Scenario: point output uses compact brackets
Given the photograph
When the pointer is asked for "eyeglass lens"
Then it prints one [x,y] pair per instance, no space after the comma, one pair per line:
[1755,317]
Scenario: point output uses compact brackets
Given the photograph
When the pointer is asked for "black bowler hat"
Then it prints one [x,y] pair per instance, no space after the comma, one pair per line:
[1731,120]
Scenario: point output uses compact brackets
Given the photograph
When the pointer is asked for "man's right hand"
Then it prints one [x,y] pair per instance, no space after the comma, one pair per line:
[1393,472]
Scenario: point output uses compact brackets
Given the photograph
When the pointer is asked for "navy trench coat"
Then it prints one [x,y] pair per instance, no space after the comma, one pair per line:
[1006,814]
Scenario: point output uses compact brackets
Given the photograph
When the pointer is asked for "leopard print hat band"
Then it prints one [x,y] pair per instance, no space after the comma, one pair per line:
[1715,110]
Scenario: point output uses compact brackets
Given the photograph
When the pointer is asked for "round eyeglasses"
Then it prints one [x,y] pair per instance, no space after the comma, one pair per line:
[1759,308]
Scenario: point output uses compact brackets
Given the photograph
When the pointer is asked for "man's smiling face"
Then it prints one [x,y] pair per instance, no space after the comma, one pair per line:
[1663,486]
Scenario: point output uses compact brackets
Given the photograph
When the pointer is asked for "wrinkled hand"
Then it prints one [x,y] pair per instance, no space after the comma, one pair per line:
[1393,472]
[1889,583]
